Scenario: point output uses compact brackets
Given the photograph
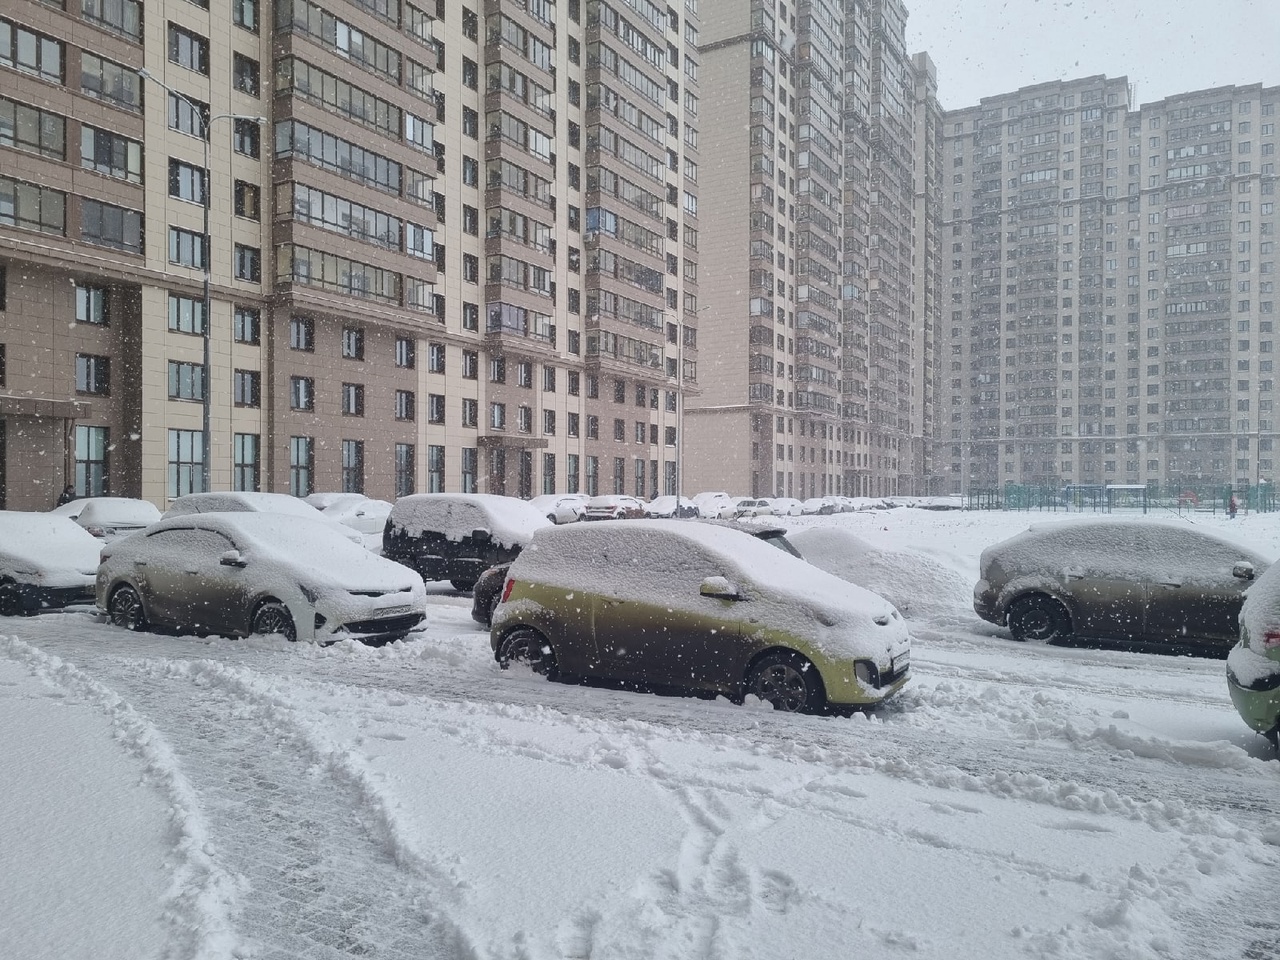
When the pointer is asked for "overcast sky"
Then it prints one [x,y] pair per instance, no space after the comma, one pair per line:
[987,47]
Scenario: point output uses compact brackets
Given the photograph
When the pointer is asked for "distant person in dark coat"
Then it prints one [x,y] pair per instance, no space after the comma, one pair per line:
[1232,507]
[68,494]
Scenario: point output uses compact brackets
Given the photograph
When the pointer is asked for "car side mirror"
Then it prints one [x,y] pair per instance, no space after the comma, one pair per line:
[1243,570]
[232,558]
[719,588]
[480,535]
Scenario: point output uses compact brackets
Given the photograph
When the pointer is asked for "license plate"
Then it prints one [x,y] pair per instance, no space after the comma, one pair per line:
[393,611]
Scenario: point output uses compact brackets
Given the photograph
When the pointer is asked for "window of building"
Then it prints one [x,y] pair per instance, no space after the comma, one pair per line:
[109,154]
[105,80]
[245,74]
[188,49]
[246,462]
[247,388]
[186,314]
[435,357]
[353,400]
[108,225]
[353,466]
[498,416]
[470,316]
[33,130]
[93,374]
[549,422]
[435,408]
[470,365]
[435,468]
[302,393]
[248,200]
[246,138]
[187,115]
[470,412]
[92,452]
[405,469]
[186,380]
[91,305]
[405,405]
[186,248]
[244,13]
[524,374]
[302,334]
[186,463]
[30,52]
[302,465]
[248,263]
[406,349]
[246,325]
[353,343]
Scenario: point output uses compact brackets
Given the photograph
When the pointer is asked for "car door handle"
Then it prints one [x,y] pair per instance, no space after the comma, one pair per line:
[1170,583]
[139,563]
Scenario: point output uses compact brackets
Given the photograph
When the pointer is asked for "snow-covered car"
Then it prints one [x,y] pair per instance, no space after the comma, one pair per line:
[457,536]
[45,561]
[110,517]
[365,515]
[714,505]
[615,506]
[818,506]
[561,507]
[699,606]
[939,503]
[1253,665]
[253,502]
[752,507]
[918,586]
[1119,579]
[787,507]
[665,508]
[246,573]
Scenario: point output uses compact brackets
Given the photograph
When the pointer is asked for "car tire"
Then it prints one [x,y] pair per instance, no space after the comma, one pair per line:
[273,617]
[124,609]
[462,586]
[788,681]
[526,645]
[10,599]
[1039,619]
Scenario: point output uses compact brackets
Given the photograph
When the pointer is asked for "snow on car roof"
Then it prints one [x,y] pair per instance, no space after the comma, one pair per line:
[50,543]
[318,545]
[1142,549]
[510,522]
[224,502]
[643,559]
[108,510]
[917,585]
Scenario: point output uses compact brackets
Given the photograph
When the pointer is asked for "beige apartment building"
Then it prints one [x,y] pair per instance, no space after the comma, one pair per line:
[449,247]
[819,316]
[1111,286]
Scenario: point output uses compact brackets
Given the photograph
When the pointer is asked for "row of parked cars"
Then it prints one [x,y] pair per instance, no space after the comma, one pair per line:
[719,607]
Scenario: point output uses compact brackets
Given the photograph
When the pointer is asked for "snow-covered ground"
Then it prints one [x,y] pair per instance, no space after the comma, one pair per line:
[171,797]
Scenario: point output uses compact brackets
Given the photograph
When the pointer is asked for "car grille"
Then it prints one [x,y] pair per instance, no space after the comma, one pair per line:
[379,626]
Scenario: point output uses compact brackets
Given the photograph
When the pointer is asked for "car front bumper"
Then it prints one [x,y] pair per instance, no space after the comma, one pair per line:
[984,602]
[33,598]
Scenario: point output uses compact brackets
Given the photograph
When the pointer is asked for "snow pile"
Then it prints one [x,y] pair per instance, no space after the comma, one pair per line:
[919,587]
[510,522]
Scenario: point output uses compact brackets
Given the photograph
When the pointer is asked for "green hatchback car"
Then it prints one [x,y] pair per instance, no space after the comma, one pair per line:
[670,603]
[1253,665]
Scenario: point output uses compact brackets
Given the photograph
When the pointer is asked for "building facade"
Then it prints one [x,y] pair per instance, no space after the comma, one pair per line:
[1111,288]
[448,248]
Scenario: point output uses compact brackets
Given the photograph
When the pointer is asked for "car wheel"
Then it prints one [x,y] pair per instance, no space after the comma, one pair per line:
[10,599]
[462,585]
[125,609]
[273,617]
[1040,619]
[788,681]
[526,645]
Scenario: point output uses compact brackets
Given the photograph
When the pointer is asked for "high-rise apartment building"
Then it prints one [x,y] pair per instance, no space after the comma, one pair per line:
[449,247]
[809,352]
[1110,284]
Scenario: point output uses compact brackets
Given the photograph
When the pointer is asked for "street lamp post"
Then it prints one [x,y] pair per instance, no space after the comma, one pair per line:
[206,122]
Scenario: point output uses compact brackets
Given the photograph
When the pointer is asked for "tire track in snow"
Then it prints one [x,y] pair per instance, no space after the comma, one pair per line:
[323,872]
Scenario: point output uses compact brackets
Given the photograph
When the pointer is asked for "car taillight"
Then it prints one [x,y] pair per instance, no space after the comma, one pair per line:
[1271,639]
[506,589]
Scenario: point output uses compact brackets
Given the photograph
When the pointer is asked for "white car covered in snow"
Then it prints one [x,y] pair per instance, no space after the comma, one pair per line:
[254,502]
[561,507]
[45,561]
[109,517]
[238,574]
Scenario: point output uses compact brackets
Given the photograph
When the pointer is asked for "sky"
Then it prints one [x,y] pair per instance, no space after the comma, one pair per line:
[987,47]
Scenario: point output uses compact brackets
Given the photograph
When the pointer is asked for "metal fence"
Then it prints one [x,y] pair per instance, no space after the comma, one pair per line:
[1183,497]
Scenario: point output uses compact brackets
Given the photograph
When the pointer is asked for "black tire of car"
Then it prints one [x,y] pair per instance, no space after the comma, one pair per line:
[1039,619]
[526,645]
[124,609]
[272,616]
[462,586]
[10,599]
[788,681]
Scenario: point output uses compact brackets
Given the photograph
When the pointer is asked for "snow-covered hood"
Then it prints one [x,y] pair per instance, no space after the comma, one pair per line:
[46,550]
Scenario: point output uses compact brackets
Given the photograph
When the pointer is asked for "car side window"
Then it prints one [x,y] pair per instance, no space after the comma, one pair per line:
[190,544]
